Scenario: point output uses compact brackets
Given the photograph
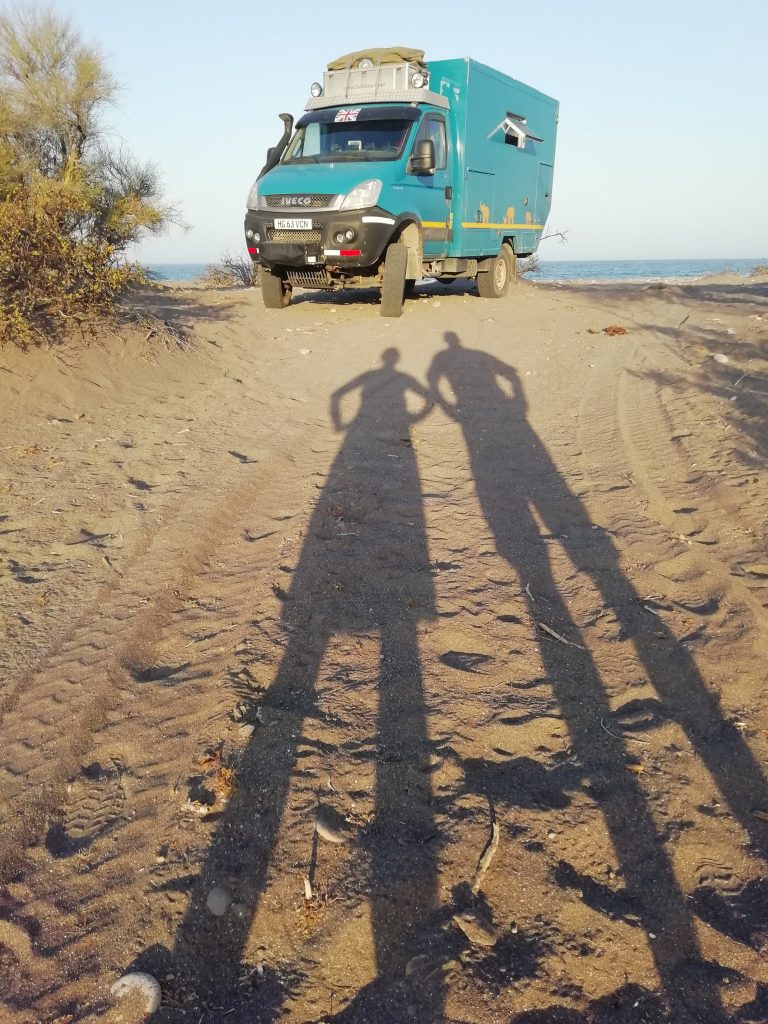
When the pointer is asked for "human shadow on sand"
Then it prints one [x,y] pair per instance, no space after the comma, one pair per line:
[363,570]
[517,484]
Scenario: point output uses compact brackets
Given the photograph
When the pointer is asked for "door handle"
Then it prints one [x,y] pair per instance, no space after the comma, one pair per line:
[448,192]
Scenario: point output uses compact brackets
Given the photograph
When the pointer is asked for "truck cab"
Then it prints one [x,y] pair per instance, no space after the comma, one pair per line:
[400,170]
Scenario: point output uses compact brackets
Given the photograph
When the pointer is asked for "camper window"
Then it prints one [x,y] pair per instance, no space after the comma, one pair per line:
[514,134]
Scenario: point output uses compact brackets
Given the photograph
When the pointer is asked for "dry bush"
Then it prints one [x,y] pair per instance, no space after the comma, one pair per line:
[51,279]
[70,206]
[157,329]
[528,265]
[231,271]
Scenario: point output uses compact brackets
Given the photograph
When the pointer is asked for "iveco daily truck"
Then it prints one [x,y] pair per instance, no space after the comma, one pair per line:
[399,170]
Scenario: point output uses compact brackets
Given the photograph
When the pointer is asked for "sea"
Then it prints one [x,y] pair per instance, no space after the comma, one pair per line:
[557,270]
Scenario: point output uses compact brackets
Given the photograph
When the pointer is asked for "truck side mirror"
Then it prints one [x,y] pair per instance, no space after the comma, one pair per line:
[423,157]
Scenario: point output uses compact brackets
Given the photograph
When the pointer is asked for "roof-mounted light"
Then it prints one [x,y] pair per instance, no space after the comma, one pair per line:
[418,80]
[316,89]
[365,64]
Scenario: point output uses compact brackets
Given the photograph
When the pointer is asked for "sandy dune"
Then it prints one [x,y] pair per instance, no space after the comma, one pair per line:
[377,671]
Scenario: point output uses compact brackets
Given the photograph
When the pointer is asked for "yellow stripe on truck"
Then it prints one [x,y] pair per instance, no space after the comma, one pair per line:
[523,227]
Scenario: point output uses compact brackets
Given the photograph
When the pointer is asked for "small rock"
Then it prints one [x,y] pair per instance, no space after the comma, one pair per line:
[246,731]
[416,964]
[304,351]
[139,986]
[720,357]
[266,716]
[429,763]
[330,825]
[198,808]
[452,967]
[478,932]
[218,900]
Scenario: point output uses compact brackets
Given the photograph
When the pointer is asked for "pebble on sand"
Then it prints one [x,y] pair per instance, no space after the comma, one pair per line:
[138,984]
[476,930]
[330,825]
[218,900]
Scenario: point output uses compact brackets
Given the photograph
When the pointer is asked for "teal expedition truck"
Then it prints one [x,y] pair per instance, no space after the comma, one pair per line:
[400,170]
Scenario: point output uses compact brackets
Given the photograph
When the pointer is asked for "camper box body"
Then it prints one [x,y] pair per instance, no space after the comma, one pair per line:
[503,157]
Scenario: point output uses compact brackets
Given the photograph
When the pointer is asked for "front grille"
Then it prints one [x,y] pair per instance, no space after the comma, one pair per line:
[316,202]
[315,277]
[281,235]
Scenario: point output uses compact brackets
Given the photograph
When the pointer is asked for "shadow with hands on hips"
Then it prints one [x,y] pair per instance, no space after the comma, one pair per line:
[517,481]
[363,569]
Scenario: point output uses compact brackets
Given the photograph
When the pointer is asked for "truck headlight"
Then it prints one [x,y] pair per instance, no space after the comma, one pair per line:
[253,197]
[363,195]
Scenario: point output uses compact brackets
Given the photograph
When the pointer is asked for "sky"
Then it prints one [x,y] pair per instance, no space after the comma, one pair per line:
[662,148]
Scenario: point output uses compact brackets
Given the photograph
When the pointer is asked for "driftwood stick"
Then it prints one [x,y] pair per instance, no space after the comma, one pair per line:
[488,853]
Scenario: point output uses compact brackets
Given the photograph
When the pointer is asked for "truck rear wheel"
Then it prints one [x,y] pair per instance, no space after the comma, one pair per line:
[493,283]
[393,285]
[275,290]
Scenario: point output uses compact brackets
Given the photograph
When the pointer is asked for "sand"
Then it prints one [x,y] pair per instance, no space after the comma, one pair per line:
[429,652]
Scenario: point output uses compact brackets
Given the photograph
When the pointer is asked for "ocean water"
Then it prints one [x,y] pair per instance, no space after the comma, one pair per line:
[556,270]
[640,270]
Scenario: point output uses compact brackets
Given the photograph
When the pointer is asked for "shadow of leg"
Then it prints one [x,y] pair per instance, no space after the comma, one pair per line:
[209,949]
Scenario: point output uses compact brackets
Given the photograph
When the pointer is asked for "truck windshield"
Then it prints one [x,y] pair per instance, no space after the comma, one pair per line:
[327,142]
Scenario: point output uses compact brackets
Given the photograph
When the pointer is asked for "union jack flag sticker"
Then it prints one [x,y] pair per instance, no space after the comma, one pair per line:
[347,115]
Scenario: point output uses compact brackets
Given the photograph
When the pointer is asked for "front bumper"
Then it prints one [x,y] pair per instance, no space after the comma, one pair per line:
[317,245]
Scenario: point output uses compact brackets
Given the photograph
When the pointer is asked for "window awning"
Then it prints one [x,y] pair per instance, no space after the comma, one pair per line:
[517,126]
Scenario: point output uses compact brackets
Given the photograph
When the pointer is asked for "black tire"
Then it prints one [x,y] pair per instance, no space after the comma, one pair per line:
[393,285]
[493,283]
[275,290]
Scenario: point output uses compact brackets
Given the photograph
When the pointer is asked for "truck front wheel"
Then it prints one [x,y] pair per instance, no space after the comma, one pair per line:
[493,283]
[275,290]
[393,284]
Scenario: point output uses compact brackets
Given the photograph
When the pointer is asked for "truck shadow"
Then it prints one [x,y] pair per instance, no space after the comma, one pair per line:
[516,482]
[428,289]
[362,572]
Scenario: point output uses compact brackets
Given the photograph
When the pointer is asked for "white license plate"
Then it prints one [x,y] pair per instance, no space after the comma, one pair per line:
[293,223]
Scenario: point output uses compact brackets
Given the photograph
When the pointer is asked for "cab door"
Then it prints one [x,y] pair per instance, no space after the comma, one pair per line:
[430,195]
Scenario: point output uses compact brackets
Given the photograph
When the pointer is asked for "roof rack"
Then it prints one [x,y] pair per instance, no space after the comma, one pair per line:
[369,82]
